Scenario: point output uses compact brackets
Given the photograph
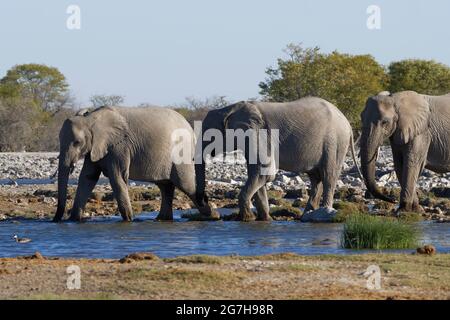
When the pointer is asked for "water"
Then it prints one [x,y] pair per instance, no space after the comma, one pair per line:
[109,238]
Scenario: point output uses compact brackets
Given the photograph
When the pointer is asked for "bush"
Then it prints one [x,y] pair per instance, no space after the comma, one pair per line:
[343,79]
[424,76]
[371,232]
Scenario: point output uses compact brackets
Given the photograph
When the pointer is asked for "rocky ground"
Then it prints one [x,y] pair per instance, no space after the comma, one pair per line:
[14,166]
[281,276]
[224,181]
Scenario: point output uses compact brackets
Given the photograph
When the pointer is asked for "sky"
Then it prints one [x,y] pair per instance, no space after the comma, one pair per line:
[161,52]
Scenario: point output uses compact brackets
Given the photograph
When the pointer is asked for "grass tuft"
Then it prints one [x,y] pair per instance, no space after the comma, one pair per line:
[347,209]
[364,231]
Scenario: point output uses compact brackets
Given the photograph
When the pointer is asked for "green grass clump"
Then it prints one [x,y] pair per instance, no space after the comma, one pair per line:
[364,231]
[285,212]
[346,209]
[410,217]
[192,216]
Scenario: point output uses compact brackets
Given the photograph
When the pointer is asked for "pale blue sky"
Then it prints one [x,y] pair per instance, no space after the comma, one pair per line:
[163,51]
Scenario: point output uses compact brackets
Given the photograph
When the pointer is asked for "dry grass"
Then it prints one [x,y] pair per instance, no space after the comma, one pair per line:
[281,276]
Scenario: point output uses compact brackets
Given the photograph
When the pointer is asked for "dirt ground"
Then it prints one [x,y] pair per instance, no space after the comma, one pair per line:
[282,276]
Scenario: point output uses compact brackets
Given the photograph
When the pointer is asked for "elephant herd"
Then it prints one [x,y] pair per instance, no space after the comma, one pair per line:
[312,137]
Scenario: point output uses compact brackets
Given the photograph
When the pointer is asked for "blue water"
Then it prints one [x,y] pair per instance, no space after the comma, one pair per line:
[109,238]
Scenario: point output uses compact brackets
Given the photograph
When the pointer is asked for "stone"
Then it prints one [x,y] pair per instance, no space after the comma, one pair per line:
[319,215]
[296,193]
[441,192]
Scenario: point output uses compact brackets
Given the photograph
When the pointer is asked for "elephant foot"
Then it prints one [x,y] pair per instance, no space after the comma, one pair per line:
[265,217]
[209,212]
[164,216]
[75,218]
[417,208]
[309,207]
[246,215]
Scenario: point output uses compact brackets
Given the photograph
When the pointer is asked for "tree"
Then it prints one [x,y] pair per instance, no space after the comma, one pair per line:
[343,79]
[100,100]
[424,76]
[196,109]
[18,122]
[45,86]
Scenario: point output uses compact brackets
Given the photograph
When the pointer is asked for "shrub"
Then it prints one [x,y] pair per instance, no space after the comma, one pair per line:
[363,231]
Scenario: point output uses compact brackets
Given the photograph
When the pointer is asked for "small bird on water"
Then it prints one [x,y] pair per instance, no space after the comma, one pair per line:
[21,240]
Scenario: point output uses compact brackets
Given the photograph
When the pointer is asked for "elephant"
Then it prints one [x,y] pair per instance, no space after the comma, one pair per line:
[313,138]
[418,129]
[125,143]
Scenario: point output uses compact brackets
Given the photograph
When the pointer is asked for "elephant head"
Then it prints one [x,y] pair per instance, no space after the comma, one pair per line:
[400,117]
[86,133]
[242,115]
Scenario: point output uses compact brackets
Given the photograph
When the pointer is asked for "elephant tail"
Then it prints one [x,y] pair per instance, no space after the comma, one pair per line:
[352,146]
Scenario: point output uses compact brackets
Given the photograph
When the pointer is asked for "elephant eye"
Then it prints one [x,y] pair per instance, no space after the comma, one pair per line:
[76,143]
[384,122]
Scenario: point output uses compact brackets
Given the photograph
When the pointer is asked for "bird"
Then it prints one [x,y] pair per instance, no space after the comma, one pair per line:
[21,240]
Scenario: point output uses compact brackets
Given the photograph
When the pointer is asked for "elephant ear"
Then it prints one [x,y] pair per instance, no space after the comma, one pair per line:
[413,116]
[108,129]
[243,115]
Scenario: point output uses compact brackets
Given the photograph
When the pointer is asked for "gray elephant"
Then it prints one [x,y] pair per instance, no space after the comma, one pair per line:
[125,143]
[418,128]
[313,137]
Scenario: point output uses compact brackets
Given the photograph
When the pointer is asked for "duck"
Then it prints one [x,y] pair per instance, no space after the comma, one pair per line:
[21,240]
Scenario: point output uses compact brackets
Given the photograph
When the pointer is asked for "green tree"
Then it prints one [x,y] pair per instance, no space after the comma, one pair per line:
[45,86]
[343,79]
[424,76]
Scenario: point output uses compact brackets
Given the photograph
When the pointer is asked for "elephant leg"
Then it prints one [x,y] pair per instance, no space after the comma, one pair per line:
[329,178]
[315,193]
[167,193]
[89,176]
[262,204]
[186,184]
[252,185]
[398,165]
[118,179]
[414,161]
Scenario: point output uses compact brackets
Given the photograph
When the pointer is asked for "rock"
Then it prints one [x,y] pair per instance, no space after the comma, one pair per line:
[319,215]
[138,256]
[298,203]
[299,193]
[442,192]
[46,193]
[36,256]
[426,249]
[49,200]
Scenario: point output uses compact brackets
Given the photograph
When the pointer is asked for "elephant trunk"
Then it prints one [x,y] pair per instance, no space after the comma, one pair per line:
[369,152]
[200,184]
[63,179]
